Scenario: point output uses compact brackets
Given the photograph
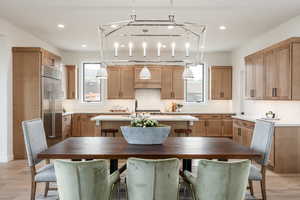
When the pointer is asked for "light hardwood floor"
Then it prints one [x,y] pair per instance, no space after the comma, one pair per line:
[15,184]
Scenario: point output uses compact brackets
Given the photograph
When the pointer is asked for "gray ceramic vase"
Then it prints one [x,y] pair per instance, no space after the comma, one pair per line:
[148,135]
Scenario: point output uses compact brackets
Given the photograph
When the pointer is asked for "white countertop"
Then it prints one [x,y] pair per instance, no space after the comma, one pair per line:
[154,117]
[278,123]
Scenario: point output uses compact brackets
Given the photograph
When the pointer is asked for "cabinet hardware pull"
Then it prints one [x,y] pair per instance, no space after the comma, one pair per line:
[222,94]
[275,91]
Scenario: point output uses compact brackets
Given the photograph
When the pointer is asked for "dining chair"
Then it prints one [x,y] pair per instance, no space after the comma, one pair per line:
[85,180]
[35,142]
[219,180]
[152,179]
[261,142]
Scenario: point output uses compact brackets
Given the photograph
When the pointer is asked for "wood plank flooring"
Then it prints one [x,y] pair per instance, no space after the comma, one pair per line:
[15,184]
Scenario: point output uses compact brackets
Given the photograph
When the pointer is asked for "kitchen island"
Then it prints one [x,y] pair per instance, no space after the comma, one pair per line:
[115,121]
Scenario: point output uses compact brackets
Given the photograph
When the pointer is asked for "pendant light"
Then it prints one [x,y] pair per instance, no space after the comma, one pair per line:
[145,73]
[188,73]
[102,73]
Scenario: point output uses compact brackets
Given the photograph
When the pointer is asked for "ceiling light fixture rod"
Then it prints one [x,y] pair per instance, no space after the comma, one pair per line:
[152,35]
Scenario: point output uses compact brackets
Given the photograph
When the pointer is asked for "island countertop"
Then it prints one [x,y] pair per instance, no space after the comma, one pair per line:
[188,118]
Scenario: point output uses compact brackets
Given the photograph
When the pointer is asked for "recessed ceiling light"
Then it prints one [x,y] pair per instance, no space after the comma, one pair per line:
[164,46]
[84,45]
[170,27]
[122,45]
[222,27]
[202,47]
[60,26]
[113,26]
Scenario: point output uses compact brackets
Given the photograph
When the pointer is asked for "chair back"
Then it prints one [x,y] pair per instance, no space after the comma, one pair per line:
[262,140]
[88,180]
[221,180]
[152,179]
[35,139]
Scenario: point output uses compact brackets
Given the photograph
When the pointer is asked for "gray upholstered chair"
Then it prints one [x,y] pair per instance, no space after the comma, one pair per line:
[86,180]
[35,142]
[152,179]
[219,180]
[261,142]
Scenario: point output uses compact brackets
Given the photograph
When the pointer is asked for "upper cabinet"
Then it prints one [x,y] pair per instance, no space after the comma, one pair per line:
[221,83]
[154,82]
[255,88]
[273,73]
[71,81]
[120,83]
[172,84]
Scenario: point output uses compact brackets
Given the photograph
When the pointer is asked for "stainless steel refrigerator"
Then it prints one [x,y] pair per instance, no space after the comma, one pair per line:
[52,101]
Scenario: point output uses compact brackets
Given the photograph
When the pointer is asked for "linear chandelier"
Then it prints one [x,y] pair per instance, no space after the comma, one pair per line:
[151,41]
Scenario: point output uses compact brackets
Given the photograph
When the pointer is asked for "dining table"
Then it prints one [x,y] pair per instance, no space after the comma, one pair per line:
[114,149]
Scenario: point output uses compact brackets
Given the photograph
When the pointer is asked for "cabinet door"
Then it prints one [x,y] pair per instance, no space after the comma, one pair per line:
[198,129]
[166,83]
[71,81]
[272,153]
[113,83]
[221,83]
[270,73]
[76,125]
[283,87]
[213,127]
[178,84]
[250,78]
[227,128]
[246,136]
[296,71]
[87,127]
[259,84]
[237,134]
[66,126]
[127,83]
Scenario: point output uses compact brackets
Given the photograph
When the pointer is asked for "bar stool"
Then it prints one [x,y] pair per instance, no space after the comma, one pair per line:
[107,131]
[182,131]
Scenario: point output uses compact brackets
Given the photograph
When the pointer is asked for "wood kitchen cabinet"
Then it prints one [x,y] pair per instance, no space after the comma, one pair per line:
[273,73]
[221,82]
[255,83]
[242,132]
[153,82]
[27,94]
[213,125]
[71,79]
[120,83]
[172,84]
[82,125]
[278,73]
[66,126]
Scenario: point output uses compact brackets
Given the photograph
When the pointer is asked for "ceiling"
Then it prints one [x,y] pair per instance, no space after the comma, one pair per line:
[244,19]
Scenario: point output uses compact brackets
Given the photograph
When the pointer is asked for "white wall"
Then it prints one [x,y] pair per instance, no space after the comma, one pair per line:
[144,96]
[286,110]
[10,36]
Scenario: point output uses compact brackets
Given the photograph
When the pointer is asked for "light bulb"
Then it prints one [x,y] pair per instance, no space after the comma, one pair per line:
[130,45]
[144,48]
[187,49]
[173,48]
[116,45]
[158,48]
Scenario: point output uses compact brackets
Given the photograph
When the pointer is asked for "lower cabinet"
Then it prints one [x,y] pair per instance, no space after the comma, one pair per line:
[242,132]
[83,126]
[66,126]
[213,126]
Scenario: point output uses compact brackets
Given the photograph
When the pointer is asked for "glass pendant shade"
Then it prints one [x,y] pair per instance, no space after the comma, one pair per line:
[102,73]
[145,73]
[188,74]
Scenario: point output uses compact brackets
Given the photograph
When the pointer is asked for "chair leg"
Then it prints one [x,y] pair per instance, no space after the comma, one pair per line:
[46,189]
[251,187]
[263,183]
[263,189]
[33,190]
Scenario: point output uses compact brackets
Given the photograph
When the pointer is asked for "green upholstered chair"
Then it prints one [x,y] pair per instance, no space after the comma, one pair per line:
[86,180]
[219,180]
[152,179]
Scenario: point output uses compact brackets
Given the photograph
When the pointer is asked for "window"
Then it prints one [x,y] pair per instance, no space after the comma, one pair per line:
[91,84]
[194,89]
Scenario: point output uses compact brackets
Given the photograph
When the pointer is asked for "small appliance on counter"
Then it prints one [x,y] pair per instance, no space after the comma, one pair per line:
[270,115]
[174,107]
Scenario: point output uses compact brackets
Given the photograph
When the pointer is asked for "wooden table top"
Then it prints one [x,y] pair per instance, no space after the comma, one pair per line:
[118,148]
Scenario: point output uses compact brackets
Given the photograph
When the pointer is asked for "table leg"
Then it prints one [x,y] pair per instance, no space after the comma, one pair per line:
[113,165]
[187,164]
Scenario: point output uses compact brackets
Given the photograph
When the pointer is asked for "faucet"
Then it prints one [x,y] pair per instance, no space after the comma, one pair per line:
[135,105]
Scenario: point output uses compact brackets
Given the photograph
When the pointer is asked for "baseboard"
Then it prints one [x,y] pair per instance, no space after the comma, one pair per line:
[4,158]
